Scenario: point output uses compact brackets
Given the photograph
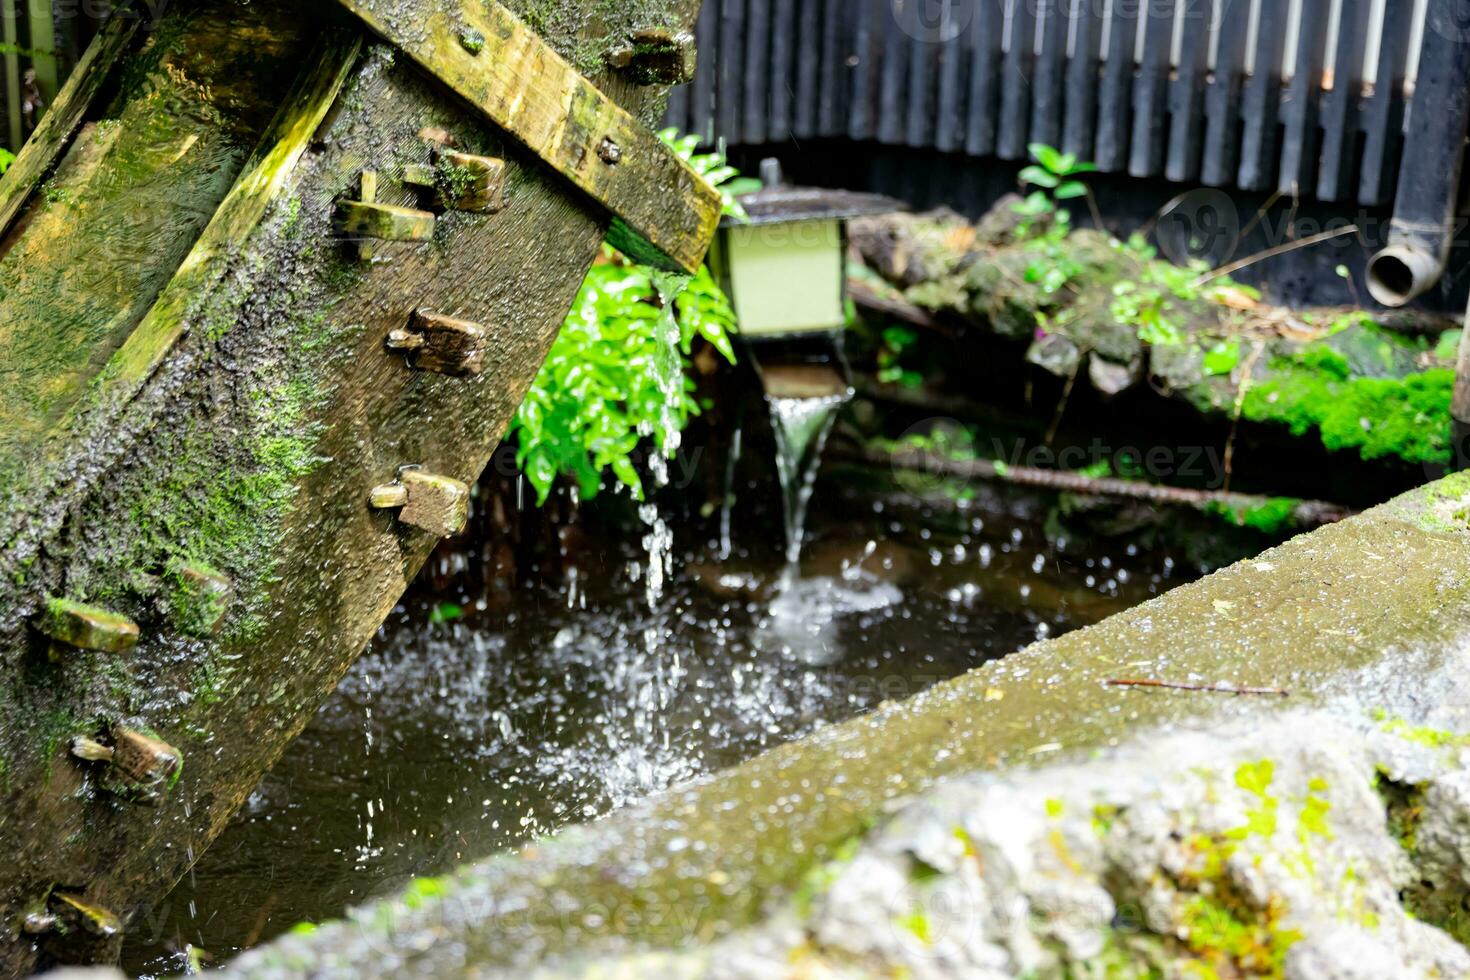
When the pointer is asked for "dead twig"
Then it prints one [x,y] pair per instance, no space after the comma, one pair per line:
[1246,371]
[1210,688]
[1282,249]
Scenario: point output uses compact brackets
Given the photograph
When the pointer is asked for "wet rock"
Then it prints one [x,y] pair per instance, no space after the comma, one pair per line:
[1177,365]
[908,249]
[998,226]
[1110,377]
[1055,353]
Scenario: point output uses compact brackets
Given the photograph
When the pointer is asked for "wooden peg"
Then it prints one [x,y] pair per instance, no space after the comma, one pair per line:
[656,56]
[87,627]
[441,343]
[365,219]
[419,175]
[387,222]
[438,504]
[470,183]
[140,768]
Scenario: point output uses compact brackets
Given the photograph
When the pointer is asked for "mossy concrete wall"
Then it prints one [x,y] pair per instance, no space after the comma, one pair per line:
[1365,623]
[235,431]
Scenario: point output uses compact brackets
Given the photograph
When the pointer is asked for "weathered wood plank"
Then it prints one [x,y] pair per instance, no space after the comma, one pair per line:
[46,144]
[260,185]
[531,92]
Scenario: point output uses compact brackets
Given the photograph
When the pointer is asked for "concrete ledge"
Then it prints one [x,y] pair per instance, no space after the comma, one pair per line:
[1363,622]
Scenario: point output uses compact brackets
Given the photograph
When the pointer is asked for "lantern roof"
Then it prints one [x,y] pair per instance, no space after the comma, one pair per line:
[780,203]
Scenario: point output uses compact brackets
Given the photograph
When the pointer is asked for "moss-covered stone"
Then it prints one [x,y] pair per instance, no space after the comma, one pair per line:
[1332,376]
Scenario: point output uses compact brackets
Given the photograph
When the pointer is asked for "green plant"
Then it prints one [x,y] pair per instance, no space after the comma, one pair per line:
[599,394]
[1056,171]
[1142,307]
[6,159]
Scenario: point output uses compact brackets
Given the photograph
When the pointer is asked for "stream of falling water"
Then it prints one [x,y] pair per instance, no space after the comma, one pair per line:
[654,677]
[802,426]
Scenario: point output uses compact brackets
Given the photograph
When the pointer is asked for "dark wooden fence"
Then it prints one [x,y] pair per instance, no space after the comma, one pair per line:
[1303,96]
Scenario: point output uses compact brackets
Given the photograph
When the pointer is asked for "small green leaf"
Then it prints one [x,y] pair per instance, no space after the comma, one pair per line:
[1070,189]
[1048,157]
[1039,176]
[1222,358]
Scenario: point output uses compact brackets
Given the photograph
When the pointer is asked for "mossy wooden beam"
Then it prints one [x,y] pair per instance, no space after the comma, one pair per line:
[527,89]
[260,184]
[46,144]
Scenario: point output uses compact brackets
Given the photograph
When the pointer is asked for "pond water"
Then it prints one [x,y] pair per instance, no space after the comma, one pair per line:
[450,741]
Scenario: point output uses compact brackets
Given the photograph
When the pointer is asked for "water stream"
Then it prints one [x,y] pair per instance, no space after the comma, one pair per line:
[801,427]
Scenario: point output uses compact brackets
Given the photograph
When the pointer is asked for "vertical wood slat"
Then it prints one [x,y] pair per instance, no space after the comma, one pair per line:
[1338,157]
[1300,104]
[1015,86]
[893,74]
[706,72]
[833,79]
[1047,79]
[954,62]
[1383,111]
[922,97]
[731,58]
[1260,101]
[1187,93]
[754,93]
[41,38]
[862,88]
[1222,99]
[10,33]
[808,68]
[1080,128]
[1150,90]
[1114,89]
[981,117]
[782,88]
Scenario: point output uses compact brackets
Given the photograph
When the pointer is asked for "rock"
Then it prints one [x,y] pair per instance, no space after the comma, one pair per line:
[1110,377]
[1055,353]
[997,227]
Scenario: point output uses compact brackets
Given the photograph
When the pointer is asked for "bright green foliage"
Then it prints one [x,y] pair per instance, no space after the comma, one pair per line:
[1405,417]
[1056,171]
[1445,349]
[713,168]
[1272,517]
[1222,358]
[6,159]
[598,394]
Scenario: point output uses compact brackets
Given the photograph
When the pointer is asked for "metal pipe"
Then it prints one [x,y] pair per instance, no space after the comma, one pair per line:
[1413,258]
